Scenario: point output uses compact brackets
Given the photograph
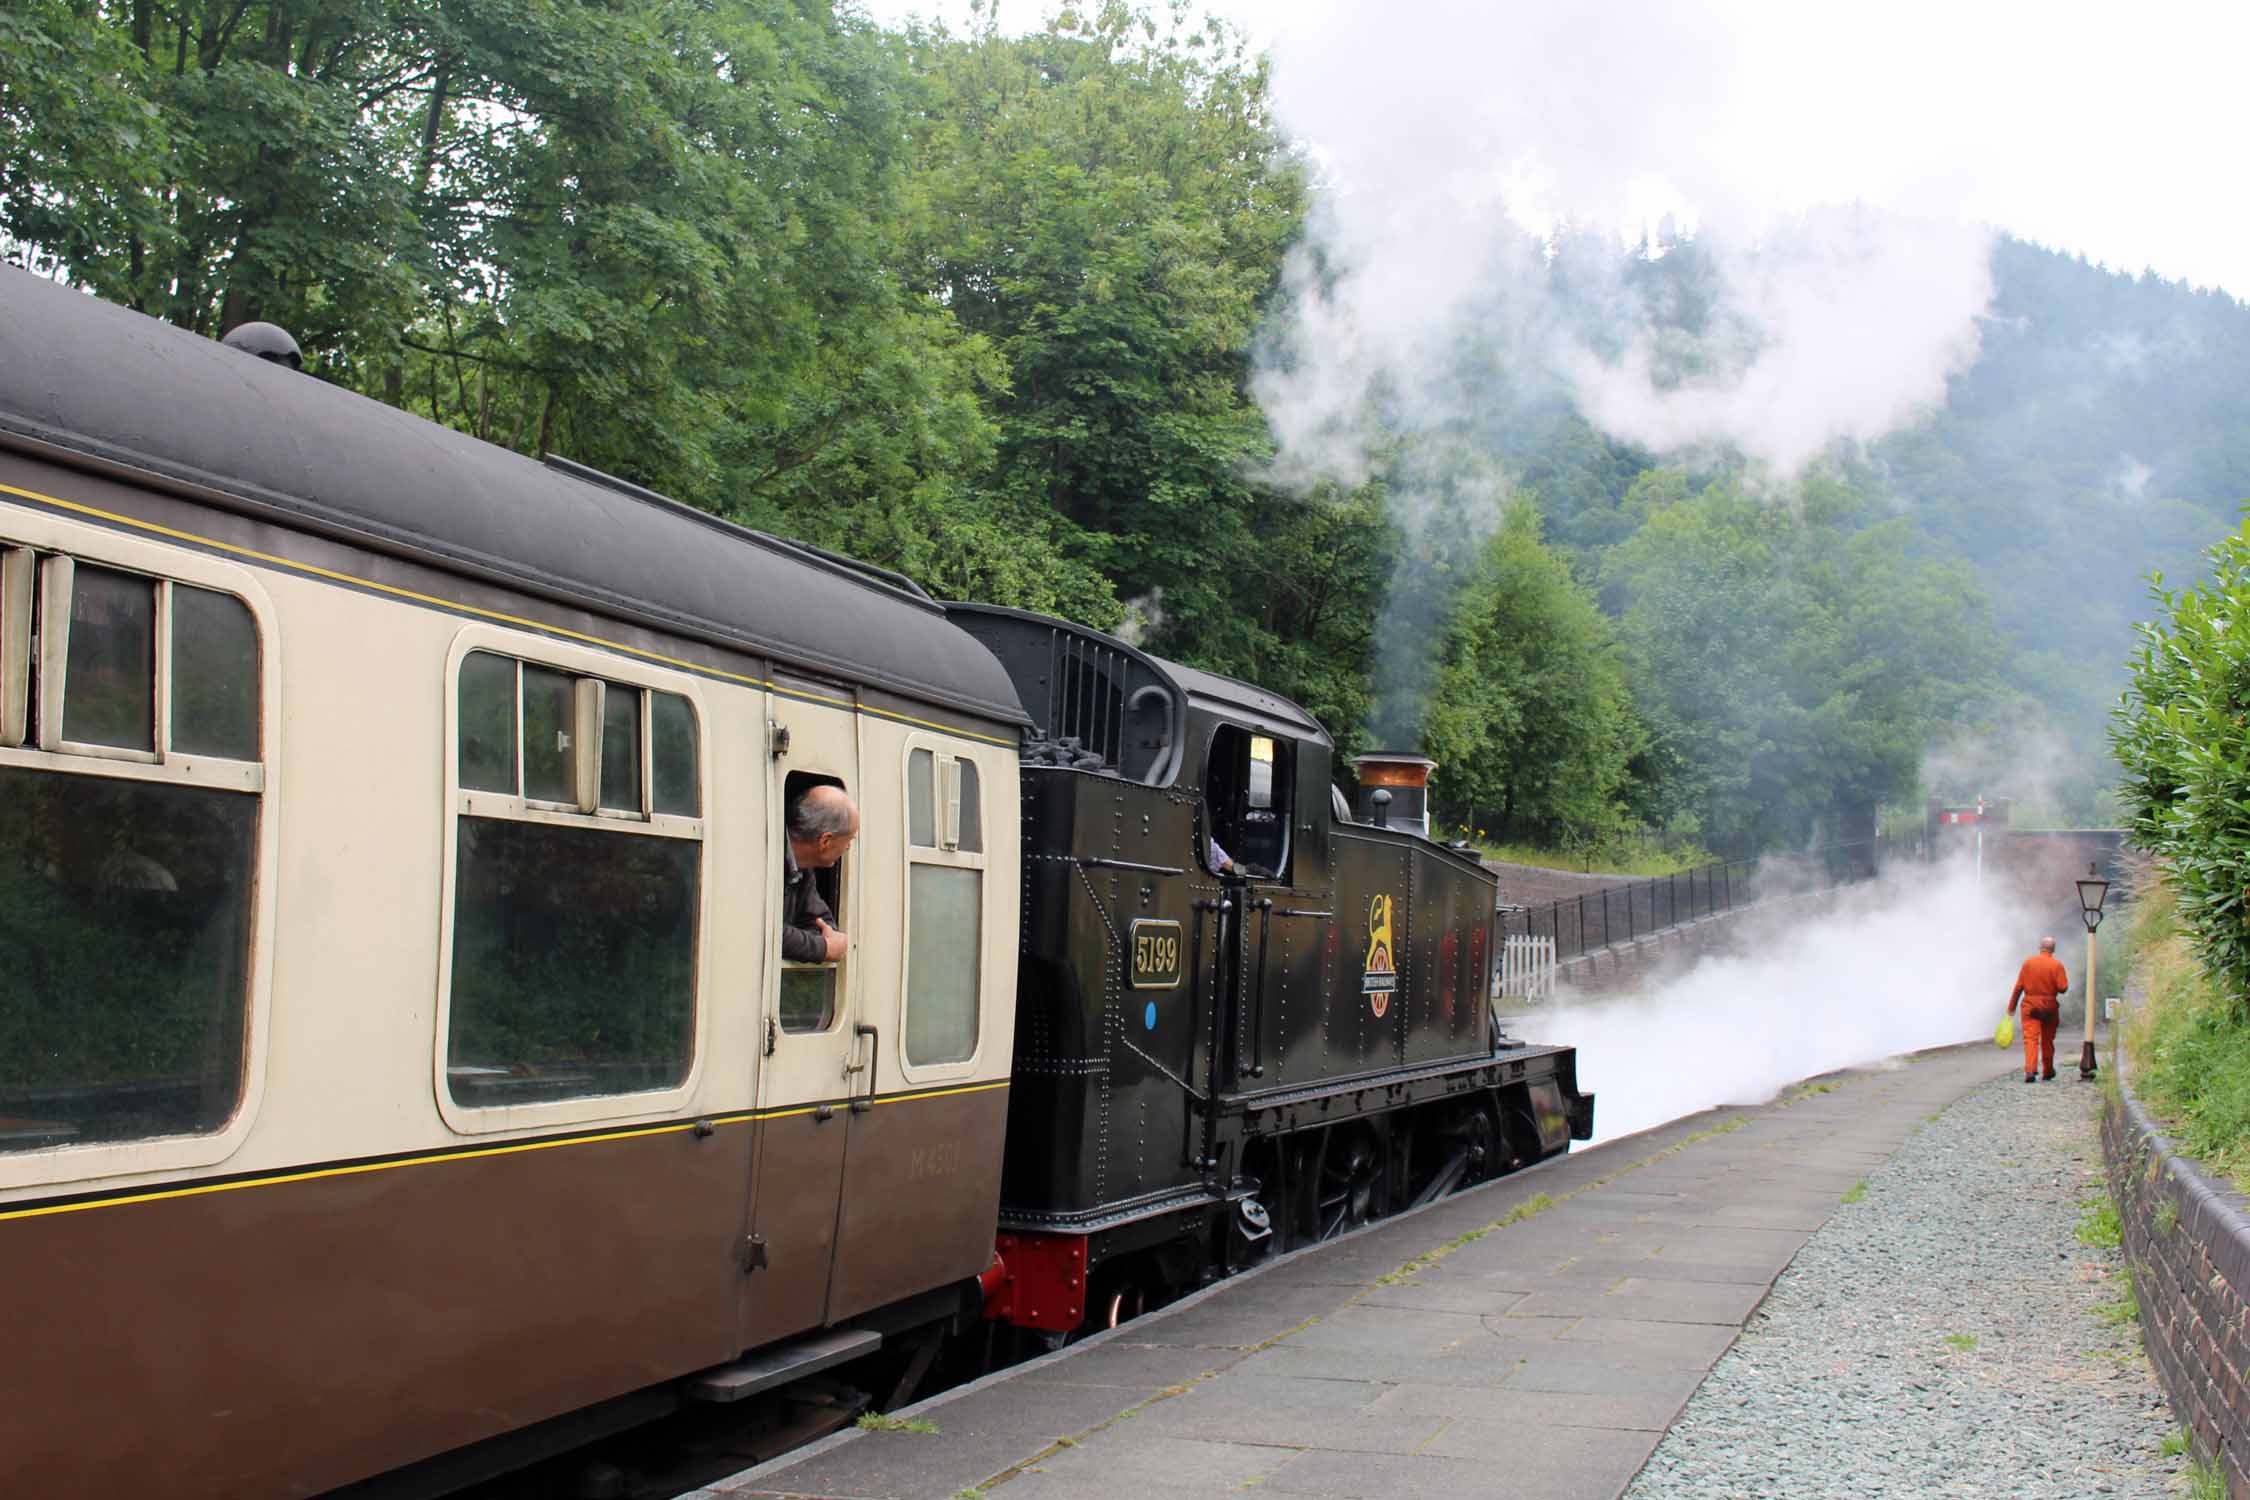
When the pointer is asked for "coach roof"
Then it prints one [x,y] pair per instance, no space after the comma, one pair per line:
[110,384]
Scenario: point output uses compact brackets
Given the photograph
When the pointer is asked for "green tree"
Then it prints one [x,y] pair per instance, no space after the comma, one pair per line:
[1794,655]
[1531,718]
[2181,736]
[1107,202]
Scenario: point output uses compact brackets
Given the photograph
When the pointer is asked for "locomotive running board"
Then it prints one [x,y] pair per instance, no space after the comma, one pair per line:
[771,1367]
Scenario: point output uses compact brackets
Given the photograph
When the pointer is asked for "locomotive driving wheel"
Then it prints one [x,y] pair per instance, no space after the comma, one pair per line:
[1477,1135]
[1351,1176]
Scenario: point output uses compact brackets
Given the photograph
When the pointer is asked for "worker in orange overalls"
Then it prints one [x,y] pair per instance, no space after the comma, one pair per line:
[2040,985]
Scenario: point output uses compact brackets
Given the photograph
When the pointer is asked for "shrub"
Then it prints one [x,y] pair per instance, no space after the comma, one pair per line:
[2182,737]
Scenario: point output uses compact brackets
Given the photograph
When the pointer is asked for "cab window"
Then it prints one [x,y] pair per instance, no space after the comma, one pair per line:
[1249,792]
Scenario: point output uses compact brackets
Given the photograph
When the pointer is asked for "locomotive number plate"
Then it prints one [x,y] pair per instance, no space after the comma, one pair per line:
[1158,954]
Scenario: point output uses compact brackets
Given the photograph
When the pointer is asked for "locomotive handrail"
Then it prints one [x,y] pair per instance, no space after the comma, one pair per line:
[1249,1021]
[1301,911]
[1096,862]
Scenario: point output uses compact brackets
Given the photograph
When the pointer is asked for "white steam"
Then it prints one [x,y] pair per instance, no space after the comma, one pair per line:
[1452,168]
[1466,271]
[2132,477]
[1144,618]
[1854,322]
[1920,958]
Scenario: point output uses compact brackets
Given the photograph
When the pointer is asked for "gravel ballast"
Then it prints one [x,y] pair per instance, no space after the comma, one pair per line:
[1949,1332]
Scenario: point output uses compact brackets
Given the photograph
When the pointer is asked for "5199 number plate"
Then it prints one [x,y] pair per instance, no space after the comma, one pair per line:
[1158,954]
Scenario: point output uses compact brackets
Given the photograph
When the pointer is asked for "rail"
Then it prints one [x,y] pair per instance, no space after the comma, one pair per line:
[1598,919]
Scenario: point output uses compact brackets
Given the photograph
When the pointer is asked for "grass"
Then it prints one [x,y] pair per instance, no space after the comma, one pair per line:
[2166,1218]
[1537,1203]
[2188,1040]
[2125,1311]
[876,1421]
[2206,1480]
[2097,1224]
[2175,1443]
[1856,1191]
[1639,857]
[1961,1343]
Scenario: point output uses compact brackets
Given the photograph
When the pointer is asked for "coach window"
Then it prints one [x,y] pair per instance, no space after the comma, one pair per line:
[576,881]
[131,777]
[808,990]
[944,906]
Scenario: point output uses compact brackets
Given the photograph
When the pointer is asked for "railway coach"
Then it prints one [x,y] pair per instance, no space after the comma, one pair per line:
[396,1051]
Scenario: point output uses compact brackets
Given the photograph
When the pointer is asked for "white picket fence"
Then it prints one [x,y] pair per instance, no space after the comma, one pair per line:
[1527,970]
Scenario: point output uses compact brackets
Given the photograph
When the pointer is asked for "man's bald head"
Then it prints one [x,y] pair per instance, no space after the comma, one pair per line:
[822,825]
[2046,945]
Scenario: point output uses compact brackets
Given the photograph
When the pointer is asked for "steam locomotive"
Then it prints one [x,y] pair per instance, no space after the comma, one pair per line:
[397,1058]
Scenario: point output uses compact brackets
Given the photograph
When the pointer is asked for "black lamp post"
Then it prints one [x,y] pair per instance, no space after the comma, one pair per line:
[2092,891]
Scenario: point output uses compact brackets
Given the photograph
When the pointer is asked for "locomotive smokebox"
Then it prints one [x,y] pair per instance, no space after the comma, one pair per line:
[1406,776]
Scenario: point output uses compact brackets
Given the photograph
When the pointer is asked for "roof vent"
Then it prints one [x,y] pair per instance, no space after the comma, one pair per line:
[267,341]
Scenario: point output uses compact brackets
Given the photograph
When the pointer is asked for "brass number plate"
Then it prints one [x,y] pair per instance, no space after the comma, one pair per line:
[1158,954]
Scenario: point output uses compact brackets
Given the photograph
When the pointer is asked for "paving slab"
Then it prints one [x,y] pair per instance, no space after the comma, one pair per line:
[1437,1354]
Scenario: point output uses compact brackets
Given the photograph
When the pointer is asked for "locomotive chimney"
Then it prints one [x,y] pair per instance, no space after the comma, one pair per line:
[1406,777]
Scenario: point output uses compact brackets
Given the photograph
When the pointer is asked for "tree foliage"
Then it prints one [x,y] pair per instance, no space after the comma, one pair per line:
[2181,735]
[985,309]
[1107,203]
[1531,712]
[1793,654]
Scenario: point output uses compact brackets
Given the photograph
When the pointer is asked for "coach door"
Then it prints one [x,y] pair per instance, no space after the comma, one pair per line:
[815,1060]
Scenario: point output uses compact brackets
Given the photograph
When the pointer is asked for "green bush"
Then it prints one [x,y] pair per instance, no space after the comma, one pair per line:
[2181,736]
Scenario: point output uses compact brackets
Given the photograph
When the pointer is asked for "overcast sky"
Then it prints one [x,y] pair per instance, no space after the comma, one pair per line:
[2104,129]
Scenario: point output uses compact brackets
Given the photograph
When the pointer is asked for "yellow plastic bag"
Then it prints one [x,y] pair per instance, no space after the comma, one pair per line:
[2004,1034]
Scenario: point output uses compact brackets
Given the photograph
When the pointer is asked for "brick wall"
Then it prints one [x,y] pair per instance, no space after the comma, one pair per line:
[2188,1241]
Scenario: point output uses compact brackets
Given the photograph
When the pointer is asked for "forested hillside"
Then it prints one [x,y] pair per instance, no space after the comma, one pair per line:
[987,310]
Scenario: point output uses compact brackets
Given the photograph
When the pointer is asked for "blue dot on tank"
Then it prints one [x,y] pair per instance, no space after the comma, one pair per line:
[1148,1017]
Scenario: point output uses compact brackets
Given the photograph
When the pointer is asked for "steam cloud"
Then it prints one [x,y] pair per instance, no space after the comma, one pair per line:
[1920,958]
[1432,303]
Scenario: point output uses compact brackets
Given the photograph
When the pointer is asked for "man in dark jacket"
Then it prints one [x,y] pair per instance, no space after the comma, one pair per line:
[822,825]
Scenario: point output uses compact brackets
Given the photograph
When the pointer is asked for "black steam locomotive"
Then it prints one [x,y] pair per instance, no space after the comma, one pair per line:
[1246,1019]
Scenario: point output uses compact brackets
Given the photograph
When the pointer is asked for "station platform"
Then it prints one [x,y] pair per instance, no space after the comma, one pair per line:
[1534,1336]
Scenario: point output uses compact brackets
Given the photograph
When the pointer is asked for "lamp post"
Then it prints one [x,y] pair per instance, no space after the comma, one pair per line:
[2092,891]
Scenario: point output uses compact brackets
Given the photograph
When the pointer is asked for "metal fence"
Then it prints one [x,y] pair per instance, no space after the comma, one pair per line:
[1616,914]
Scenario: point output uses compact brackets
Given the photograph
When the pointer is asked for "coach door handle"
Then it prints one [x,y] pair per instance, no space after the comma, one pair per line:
[874,1063]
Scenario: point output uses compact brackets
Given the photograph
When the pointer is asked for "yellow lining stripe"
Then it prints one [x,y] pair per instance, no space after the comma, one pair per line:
[673,1127]
[333,576]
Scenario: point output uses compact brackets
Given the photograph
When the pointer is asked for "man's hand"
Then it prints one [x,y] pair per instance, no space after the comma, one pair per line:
[837,942]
